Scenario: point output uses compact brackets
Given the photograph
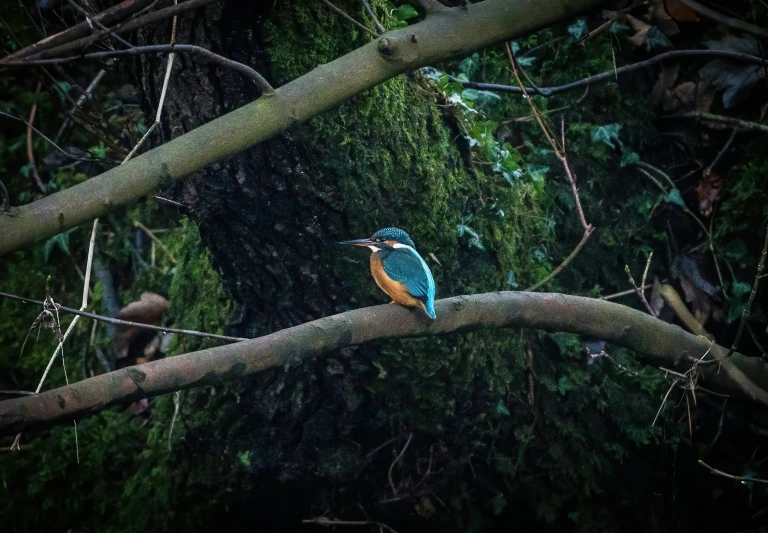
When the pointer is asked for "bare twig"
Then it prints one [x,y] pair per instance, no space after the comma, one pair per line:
[723,150]
[620,294]
[30,151]
[612,74]
[257,78]
[346,15]
[118,322]
[83,98]
[328,522]
[176,406]
[59,148]
[110,16]
[735,122]
[610,22]
[728,21]
[720,473]
[6,204]
[663,402]
[370,12]
[745,313]
[152,236]
[640,294]
[560,154]
[71,327]
[720,426]
[565,262]
[395,461]
[94,22]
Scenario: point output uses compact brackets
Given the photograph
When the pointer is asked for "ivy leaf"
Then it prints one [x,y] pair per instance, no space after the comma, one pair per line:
[98,150]
[740,288]
[656,39]
[628,157]
[735,312]
[676,198]
[537,172]
[502,409]
[470,65]
[60,241]
[405,12]
[511,281]
[606,134]
[578,29]
[734,79]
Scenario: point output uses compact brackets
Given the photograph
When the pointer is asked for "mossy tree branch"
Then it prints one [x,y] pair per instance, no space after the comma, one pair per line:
[452,32]
[658,343]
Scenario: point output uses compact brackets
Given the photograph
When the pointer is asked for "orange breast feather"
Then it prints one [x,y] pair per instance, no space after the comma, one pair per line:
[394,289]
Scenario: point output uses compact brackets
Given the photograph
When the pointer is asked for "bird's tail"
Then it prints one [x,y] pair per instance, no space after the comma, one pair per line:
[429,307]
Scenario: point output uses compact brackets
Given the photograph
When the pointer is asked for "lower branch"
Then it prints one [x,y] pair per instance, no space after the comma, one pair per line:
[658,342]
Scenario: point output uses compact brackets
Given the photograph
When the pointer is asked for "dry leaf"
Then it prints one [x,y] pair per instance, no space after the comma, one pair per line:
[149,309]
[680,12]
[641,30]
[663,21]
[708,191]
[667,78]
[699,300]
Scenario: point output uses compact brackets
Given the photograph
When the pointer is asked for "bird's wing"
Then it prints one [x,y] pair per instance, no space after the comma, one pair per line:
[406,266]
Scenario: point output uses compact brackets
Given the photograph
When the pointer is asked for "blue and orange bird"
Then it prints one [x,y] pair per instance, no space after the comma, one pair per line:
[399,270]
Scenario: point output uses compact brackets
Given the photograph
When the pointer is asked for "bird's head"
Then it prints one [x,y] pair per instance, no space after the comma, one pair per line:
[383,239]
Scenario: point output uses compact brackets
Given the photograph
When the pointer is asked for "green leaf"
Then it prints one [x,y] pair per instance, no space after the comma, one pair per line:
[736,80]
[656,39]
[606,134]
[405,12]
[511,281]
[740,288]
[537,172]
[60,241]
[469,65]
[578,29]
[501,409]
[676,198]
[628,157]
[98,150]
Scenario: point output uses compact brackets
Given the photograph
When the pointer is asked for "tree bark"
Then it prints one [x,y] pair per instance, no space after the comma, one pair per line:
[658,342]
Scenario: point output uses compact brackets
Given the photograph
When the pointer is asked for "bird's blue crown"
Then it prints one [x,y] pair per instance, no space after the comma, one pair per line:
[394,234]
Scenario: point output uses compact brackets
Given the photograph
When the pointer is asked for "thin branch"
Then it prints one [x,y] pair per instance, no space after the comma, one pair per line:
[720,473]
[722,151]
[41,134]
[728,21]
[370,12]
[611,74]
[6,198]
[110,16]
[610,21]
[745,313]
[87,94]
[559,152]
[640,294]
[397,460]
[565,263]
[30,150]
[328,522]
[346,15]
[118,322]
[93,21]
[620,294]
[257,78]
[735,122]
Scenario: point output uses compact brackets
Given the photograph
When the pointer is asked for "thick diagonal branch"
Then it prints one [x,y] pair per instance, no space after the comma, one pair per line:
[452,33]
[657,342]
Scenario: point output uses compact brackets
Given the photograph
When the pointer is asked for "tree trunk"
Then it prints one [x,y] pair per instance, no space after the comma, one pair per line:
[299,440]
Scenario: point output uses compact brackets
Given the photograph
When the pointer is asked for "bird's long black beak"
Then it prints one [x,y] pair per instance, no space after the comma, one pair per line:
[359,242]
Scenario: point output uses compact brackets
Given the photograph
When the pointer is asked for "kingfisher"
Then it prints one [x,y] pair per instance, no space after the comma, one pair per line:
[399,270]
